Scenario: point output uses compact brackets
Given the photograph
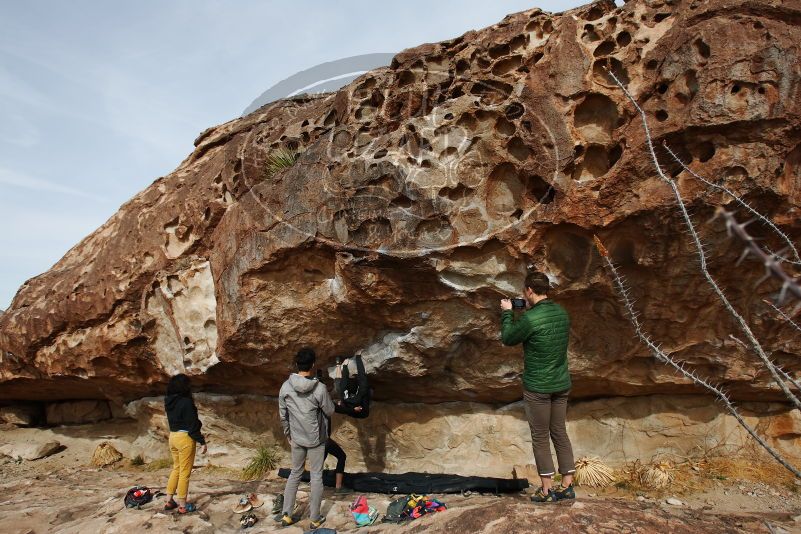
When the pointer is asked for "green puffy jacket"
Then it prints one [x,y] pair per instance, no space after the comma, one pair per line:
[544,330]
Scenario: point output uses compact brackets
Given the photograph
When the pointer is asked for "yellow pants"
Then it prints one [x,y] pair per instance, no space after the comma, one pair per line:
[182,448]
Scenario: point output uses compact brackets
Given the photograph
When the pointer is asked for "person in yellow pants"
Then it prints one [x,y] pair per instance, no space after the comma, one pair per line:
[184,437]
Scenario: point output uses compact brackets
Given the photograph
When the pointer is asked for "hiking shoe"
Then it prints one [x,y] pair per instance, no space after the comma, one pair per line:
[541,496]
[561,494]
[287,520]
[278,503]
[316,524]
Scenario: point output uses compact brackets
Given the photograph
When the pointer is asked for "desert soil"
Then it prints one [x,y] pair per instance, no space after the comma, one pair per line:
[63,493]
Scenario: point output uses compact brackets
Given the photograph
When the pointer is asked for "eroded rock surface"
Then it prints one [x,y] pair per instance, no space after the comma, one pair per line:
[425,189]
[67,413]
[405,437]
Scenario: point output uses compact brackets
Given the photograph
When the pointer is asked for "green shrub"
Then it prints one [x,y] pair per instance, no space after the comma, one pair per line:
[137,460]
[264,460]
[279,160]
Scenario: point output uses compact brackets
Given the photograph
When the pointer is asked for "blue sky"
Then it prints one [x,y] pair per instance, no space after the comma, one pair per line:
[98,99]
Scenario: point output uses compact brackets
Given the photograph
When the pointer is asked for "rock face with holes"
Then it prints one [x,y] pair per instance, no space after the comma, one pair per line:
[422,193]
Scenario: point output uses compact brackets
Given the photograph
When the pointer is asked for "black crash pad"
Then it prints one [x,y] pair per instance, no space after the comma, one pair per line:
[423,483]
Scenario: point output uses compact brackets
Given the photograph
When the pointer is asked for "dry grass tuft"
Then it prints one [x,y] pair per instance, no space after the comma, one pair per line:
[161,463]
[694,475]
[750,469]
[105,454]
[219,471]
[658,475]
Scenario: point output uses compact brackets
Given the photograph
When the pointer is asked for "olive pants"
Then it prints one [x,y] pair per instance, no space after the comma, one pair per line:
[546,413]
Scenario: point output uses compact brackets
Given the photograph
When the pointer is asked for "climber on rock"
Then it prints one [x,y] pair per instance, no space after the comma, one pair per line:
[354,401]
[354,391]
[544,331]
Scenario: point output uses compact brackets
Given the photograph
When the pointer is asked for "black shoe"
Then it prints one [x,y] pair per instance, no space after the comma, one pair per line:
[278,503]
[561,494]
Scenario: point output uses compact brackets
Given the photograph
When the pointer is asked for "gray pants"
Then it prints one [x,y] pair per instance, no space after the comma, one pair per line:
[316,457]
[546,413]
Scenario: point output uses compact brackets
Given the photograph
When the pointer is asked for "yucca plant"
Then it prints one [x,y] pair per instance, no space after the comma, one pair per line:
[592,472]
[658,475]
[265,459]
[278,160]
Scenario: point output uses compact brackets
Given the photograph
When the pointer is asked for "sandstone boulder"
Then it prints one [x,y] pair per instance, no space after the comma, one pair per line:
[399,437]
[78,412]
[412,200]
[422,192]
[31,450]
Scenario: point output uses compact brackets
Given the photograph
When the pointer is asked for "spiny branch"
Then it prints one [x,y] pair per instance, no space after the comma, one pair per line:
[771,263]
[789,378]
[702,256]
[742,203]
[660,355]
[786,317]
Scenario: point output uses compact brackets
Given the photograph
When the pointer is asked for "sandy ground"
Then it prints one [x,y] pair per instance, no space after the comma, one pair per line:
[64,494]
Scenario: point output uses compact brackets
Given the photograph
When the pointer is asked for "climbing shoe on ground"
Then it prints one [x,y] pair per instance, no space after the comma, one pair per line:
[287,520]
[562,494]
[278,504]
[541,496]
[295,513]
[316,524]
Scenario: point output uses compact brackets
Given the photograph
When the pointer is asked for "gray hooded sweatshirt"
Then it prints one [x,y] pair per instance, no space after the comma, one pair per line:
[304,406]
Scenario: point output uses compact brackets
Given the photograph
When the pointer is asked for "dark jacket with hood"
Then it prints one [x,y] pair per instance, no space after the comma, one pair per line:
[182,415]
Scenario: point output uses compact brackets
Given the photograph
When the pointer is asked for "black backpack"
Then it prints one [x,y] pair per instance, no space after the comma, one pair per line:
[138,496]
[397,511]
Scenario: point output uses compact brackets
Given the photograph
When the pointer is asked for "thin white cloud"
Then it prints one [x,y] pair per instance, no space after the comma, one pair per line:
[17,129]
[15,179]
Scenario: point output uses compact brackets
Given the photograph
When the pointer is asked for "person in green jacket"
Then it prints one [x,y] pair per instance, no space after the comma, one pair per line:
[544,331]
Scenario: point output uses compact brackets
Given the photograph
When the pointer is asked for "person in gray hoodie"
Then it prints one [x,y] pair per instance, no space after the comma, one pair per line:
[305,406]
